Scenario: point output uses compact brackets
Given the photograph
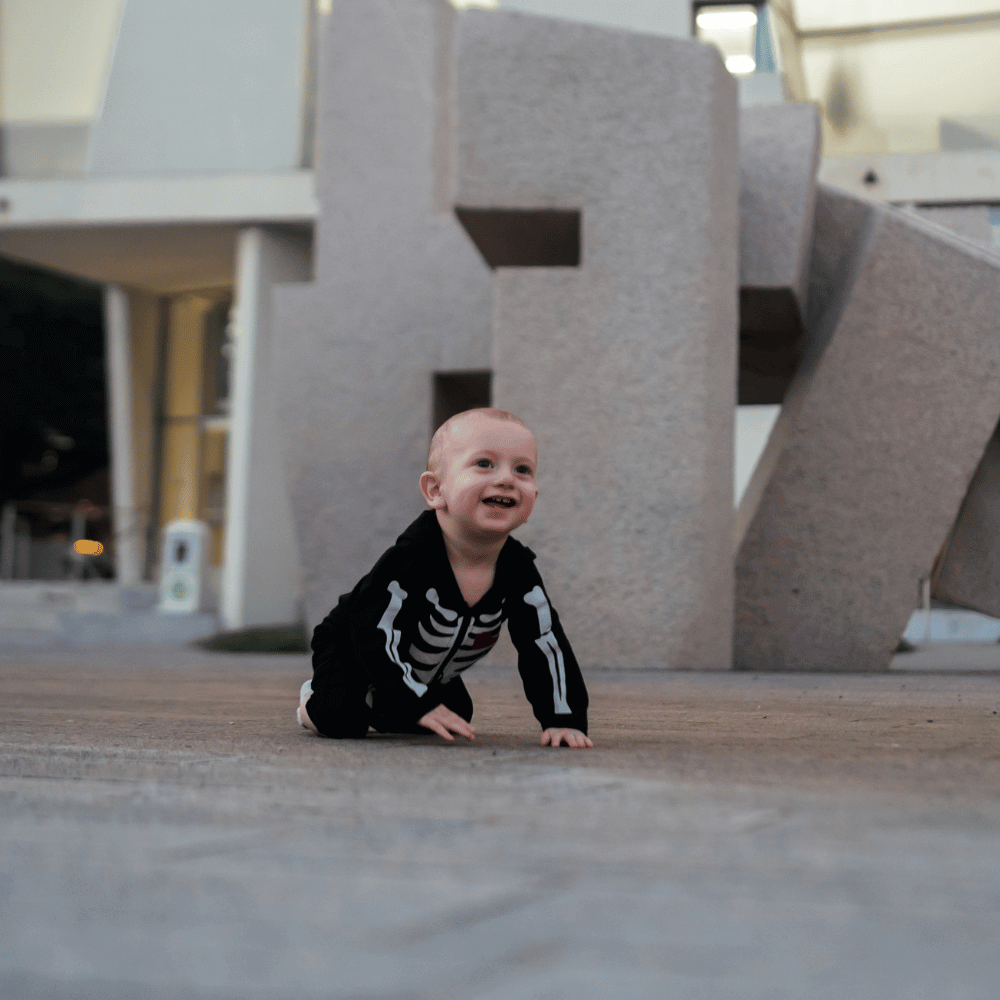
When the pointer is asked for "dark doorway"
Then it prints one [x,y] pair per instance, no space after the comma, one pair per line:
[53,418]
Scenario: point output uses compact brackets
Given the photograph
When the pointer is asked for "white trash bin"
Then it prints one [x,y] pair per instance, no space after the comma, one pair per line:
[184,567]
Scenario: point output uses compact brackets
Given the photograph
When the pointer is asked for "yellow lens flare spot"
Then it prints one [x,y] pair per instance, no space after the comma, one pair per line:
[85,547]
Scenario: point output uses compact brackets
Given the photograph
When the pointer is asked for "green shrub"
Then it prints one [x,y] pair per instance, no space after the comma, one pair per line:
[263,639]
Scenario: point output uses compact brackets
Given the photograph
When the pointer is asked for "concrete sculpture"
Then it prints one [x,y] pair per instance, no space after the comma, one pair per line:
[399,293]
[879,436]
[624,364]
[596,171]
[968,573]
[568,207]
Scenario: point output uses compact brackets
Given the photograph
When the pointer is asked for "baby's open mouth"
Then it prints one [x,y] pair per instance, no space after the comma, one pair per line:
[501,501]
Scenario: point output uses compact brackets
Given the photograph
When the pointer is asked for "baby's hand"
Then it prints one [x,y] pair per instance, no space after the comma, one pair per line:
[573,737]
[444,722]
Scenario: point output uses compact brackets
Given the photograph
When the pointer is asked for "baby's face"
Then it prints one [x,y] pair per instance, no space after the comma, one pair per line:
[487,476]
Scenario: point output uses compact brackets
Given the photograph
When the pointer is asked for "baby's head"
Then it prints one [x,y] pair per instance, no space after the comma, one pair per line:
[480,474]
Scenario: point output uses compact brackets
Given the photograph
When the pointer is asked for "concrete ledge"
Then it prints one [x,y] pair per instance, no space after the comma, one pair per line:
[38,613]
[288,196]
[942,177]
[93,628]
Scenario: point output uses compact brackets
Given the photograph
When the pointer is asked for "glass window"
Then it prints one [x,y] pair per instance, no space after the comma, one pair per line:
[895,77]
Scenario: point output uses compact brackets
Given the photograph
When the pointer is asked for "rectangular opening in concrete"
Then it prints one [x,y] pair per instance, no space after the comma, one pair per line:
[458,391]
[509,237]
[772,340]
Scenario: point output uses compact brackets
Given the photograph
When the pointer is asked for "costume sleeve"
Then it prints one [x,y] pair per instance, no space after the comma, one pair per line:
[549,671]
[367,626]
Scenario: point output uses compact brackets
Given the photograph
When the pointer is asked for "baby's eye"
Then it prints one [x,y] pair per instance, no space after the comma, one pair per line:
[484,463]
[523,470]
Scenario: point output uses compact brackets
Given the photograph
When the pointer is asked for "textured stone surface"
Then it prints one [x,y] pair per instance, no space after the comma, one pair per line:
[779,153]
[969,573]
[876,444]
[399,292]
[625,365]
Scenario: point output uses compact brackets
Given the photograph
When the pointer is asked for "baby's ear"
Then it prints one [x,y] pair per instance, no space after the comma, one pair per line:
[430,486]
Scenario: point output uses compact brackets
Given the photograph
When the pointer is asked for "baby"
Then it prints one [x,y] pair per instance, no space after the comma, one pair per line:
[391,653]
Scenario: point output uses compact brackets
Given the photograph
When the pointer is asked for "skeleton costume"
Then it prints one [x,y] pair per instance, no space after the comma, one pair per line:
[394,647]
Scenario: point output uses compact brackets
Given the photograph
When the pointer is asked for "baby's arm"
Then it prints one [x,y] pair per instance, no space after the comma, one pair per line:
[573,737]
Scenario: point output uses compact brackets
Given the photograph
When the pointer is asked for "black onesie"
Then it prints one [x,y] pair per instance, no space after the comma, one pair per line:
[394,647]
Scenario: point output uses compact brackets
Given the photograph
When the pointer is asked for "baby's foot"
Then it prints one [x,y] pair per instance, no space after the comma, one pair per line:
[305,693]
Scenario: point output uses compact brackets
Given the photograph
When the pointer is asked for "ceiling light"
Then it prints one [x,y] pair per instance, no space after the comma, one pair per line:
[740,65]
[726,20]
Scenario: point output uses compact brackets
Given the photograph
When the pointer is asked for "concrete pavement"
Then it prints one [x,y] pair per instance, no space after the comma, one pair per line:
[166,832]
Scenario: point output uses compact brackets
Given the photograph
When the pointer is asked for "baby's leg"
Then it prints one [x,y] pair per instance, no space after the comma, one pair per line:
[339,711]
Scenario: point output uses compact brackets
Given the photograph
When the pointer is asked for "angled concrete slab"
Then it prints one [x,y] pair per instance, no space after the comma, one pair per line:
[400,292]
[968,573]
[624,364]
[879,436]
[779,157]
